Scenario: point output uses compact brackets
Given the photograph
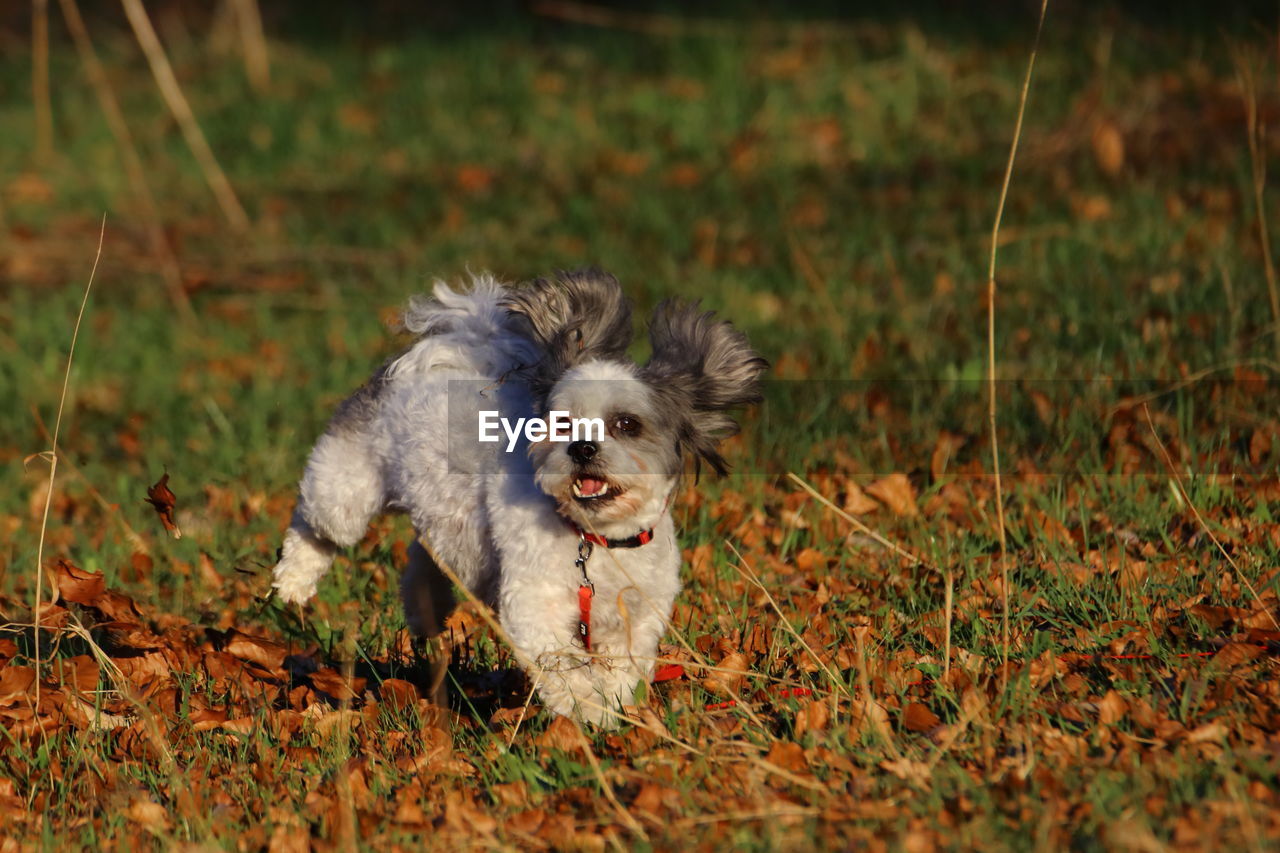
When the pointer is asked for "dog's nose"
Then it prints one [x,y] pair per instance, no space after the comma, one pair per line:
[582,451]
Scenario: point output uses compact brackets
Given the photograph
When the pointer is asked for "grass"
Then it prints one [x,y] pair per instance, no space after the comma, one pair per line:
[831,192]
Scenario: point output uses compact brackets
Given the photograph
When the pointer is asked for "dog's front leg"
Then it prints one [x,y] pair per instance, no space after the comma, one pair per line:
[568,681]
[627,657]
[304,559]
[341,490]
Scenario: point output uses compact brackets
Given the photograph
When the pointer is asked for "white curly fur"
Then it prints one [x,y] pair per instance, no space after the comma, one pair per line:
[406,441]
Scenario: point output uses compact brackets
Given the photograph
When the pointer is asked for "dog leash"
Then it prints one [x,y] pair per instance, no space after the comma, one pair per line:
[586,589]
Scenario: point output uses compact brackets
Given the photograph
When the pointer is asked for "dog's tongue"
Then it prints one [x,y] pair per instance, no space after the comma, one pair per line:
[590,486]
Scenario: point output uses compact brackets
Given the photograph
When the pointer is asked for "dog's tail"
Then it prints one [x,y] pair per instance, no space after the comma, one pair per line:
[471,328]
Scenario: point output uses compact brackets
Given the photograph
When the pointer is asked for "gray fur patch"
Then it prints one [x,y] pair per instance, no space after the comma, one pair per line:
[700,368]
[361,408]
[574,316]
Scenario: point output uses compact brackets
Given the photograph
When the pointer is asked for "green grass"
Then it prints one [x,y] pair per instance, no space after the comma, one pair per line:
[832,194]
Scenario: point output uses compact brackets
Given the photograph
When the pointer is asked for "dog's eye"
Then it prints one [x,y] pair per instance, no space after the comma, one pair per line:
[627,425]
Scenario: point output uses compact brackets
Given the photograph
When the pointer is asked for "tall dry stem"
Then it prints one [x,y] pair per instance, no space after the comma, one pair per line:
[119,128]
[253,44]
[1257,134]
[167,81]
[52,456]
[991,349]
[40,78]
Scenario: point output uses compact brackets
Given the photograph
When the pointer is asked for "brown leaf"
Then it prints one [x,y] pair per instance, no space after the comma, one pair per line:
[15,681]
[77,585]
[1108,148]
[151,815]
[335,684]
[1112,708]
[856,501]
[79,673]
[562,734]
[788,756]
[464,816]
[895,492]
[473,178]
[944,451]
[809,559]
[397,694]
[1234,654]
[163,501]
[726,683]
[256,649]
[813,716]
[916,717]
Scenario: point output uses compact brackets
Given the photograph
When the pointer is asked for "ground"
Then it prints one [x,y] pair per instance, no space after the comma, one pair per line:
[826,179]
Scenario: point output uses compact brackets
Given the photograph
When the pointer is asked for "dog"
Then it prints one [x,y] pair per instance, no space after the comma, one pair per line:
[569,537]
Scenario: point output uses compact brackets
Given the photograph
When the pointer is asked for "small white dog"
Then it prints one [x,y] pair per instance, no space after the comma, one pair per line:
[569,540]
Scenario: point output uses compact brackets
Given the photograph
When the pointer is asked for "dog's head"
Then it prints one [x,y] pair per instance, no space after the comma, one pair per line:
[634,425]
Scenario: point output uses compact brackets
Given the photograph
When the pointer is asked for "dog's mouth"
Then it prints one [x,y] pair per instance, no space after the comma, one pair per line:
[591,490]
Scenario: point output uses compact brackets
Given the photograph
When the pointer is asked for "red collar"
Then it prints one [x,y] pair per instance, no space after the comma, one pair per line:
[642,538]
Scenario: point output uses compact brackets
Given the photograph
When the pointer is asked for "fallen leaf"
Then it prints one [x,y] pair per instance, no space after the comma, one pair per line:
[77,585]
[856,501]
[562,734]
[896,492]
[163,501]
[256,649]
[151,815]
[788,756]
[15,682]
[726,682]
[335,684]
[1234,654]
[1108,148]
[397,694]
[944,451]
[917,717]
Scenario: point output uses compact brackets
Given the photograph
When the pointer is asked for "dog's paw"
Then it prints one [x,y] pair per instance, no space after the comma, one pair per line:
[292,588]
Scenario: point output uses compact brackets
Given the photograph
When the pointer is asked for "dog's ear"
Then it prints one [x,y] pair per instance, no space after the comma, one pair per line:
[700,368]
[574,317]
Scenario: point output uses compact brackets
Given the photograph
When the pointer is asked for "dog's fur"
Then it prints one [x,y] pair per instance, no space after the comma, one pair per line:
[405,441]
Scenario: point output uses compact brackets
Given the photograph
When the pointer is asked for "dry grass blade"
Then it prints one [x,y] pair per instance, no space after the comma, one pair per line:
[167,81]
[1191,379]
[862,528]
[745,570]
[129,156]
[524,710]
[256,64]
[52,456]
[40,78]
[868,698]
[947,574]
[625,816]
[991,347]
[1258,167]
[113,510]
[1186,497]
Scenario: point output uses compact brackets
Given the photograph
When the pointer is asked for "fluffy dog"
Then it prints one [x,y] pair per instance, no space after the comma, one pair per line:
[569,540]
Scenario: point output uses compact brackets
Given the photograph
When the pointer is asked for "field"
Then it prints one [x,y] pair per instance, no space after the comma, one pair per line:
[882,647]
